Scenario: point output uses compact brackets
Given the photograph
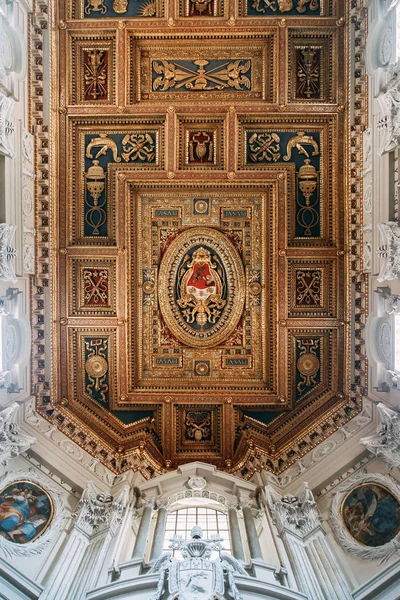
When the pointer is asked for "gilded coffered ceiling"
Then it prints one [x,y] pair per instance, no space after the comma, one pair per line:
[201,231]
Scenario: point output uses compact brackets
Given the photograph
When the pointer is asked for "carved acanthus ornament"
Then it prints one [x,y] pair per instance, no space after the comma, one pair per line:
[6,125]
[7,253]
[98,511]
[12,443]
[389,251]
[385,444]
[390,123]
[297,514]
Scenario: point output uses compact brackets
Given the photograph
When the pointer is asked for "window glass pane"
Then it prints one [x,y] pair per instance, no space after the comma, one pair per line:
[211,521]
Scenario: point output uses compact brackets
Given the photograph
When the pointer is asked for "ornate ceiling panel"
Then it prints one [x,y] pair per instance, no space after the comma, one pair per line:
[201,223]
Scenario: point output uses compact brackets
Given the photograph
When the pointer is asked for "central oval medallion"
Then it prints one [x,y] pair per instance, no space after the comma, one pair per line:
[201,287]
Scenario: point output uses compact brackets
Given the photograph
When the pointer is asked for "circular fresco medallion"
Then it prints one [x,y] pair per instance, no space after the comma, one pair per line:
[201,287]
[371,514]
[26,511]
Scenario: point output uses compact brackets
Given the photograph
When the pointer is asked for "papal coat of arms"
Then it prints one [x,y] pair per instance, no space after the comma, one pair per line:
[201,287]
[196,576]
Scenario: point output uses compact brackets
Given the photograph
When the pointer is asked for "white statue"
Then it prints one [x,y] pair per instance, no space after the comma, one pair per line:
[196,576]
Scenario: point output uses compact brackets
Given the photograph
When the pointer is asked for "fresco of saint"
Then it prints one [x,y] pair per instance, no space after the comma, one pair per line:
[371,514]
[25,512]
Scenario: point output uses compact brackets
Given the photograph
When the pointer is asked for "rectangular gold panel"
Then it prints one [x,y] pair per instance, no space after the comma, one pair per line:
[93,287]
[216,69]
[245,357]
[93,73]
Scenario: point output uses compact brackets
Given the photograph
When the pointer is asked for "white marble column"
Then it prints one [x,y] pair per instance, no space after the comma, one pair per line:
[159,532]
[93,526]
[315,567]
[143,532]
[252,537]
[236,538]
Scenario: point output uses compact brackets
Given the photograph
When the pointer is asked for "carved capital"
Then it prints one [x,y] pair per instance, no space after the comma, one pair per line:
[385,444]
[98,511]
[162,504]
[298,514]
[233,503]
[6,125]
[12,443]
[390,250]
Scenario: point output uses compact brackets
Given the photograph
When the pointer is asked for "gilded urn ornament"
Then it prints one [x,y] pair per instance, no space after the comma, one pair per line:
[201,287]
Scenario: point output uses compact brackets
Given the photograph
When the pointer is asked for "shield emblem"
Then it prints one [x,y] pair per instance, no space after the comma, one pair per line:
[196,579]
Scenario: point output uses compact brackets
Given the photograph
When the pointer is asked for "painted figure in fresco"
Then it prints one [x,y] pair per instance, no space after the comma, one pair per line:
[372,515]
[24,512]
[201,289]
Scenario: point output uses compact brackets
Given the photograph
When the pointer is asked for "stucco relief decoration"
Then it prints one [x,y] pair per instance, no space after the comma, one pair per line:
[365,516]
[389,251]
[97,511]
[31,510]
[12,443]
[7,252]
[390,109]
[385,444]
[386,46]
[6,125]
[196,575]
[13,53]
[197,483]
[201,287]
[296,513]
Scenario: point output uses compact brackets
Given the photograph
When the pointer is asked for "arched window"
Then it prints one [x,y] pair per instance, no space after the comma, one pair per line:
[212,522]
